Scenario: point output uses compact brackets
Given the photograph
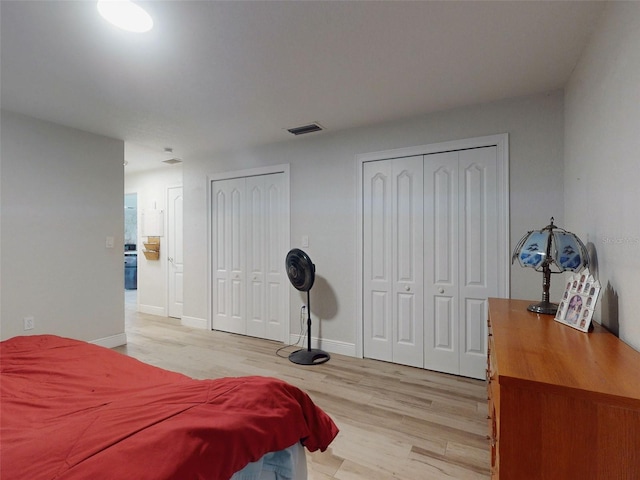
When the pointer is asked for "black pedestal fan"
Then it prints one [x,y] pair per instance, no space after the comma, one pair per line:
[301,272]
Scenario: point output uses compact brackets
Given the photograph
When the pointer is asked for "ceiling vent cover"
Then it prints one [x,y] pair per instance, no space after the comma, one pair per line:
[172,161]
[312,127]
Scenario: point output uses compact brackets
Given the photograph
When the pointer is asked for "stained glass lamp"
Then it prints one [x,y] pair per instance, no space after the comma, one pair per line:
[550,250]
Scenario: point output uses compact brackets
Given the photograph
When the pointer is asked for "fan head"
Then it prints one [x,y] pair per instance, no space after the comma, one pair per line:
[300,269]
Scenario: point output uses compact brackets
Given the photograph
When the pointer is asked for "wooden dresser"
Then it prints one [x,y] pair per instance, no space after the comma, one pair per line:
[563,404]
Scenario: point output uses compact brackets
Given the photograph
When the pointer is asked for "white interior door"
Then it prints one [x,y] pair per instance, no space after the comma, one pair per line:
[461,258]
[265,228]
[378,260]
[228,247]
[478,254]
[408,293]
[249,244]
[430,258]
[175,251]
[441,262]
[393,223]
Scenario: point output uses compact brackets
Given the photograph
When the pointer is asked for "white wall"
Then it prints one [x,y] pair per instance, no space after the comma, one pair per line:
[61,197]
[602,162]
[151,187]
[323,190]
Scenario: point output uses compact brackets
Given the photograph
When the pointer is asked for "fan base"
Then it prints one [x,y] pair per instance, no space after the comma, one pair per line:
[309,357]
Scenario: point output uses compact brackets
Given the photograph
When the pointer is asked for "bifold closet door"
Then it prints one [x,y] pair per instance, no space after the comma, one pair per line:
[441,262]
[430,256]
[461,255]
[393,259]
[265,258]
[248,258]
[229,246]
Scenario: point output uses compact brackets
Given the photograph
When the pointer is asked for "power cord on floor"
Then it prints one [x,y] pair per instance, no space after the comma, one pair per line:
[301,336]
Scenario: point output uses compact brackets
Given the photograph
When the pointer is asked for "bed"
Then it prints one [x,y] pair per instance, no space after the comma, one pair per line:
[73,410]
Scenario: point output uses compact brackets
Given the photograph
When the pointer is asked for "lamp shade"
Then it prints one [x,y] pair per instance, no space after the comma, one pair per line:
[550,250]
[567,251]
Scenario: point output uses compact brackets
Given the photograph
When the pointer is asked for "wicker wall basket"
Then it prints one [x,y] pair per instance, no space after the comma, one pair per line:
[151,255]
[152,248]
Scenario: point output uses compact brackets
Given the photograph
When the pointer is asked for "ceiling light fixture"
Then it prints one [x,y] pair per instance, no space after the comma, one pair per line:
[126,15]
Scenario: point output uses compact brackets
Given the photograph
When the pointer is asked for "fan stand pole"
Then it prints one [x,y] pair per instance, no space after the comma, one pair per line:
[310,356]
[309,320]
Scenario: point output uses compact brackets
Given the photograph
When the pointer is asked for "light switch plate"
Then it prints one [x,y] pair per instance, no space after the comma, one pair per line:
[110,242]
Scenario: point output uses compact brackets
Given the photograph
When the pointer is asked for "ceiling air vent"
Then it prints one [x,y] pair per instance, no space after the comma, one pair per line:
[312,127]
[172,161]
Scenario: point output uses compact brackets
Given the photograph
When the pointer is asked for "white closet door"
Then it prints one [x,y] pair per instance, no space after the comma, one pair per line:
[478,254]
[377,261]
[461,257]
[228,237]
[408,292]
[431,256]
[393,222]
[265,258]
[441,262]
[277,216]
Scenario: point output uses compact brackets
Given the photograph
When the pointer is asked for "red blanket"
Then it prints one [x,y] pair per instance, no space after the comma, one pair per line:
[72,410]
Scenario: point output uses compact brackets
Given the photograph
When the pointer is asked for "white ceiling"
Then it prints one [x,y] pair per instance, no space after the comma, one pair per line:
[213,76]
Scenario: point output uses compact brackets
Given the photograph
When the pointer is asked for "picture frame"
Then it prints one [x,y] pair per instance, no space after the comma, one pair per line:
[578,301]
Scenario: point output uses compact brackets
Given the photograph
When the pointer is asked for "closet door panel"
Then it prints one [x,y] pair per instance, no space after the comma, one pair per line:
[255,257]
[265,256]
[475,332]
[377,260]
[478,254]
[228,244]
[443,333]
[407,225]
[441,266]
[274,256]
[237,248]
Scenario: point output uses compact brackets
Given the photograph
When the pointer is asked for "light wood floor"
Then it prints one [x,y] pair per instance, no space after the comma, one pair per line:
[395,421]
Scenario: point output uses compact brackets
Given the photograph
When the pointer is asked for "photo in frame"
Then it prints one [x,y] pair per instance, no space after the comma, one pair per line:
[579,301]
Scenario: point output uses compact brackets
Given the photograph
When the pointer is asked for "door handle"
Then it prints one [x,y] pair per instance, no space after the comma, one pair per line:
[170,259]
[441,290]
[407,288]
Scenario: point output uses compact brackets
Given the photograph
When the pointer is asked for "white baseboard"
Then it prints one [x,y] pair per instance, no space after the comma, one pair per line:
[194,322]
[330,346]
[152,310]
[111,341]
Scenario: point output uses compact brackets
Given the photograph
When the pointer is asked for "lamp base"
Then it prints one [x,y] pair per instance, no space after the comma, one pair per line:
[546,308]
[309,357]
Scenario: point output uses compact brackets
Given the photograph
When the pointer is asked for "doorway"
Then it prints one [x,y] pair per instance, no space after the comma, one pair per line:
[130,249]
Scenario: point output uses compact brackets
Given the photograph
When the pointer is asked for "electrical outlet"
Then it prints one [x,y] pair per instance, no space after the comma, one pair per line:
[29,323]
